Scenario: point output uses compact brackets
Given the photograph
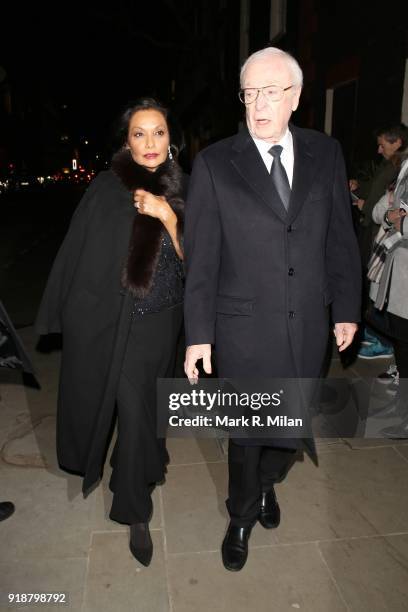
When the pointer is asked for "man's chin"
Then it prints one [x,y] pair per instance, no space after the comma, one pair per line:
[266,134]
[266,131]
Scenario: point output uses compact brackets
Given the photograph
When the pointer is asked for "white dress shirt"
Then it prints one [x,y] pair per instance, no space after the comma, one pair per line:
[287,157]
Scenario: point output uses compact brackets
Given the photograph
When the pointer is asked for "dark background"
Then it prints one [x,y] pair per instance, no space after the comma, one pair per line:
[66,70]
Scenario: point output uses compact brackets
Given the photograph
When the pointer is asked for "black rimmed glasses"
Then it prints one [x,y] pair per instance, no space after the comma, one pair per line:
[272,93]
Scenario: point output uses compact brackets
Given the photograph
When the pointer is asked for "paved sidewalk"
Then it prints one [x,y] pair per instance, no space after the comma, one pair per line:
[342,543]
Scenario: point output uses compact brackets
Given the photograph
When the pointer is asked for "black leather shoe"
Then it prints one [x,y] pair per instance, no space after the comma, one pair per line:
[235,547]
[6,510]
[396,432]
[269,514]
[141,545]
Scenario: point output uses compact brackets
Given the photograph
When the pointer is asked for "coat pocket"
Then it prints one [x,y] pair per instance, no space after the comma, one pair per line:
[231,305]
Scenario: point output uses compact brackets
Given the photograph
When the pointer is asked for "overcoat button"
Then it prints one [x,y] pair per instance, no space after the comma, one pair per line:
[291,271]
[291,314]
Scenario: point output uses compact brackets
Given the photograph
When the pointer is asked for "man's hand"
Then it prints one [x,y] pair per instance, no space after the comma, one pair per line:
[193,354]
[344,333]
[394,217]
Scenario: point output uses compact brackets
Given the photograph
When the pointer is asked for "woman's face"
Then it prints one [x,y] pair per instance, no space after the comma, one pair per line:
[148,138]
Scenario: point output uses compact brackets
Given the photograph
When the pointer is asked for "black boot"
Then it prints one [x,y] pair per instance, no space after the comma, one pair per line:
[269,514]
[6,510]
[235,547]
[141,545]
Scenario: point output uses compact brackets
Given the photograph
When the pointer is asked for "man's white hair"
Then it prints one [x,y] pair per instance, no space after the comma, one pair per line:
[270,52]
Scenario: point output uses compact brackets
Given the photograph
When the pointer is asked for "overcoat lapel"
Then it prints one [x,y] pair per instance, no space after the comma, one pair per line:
[304,170]
[247,161]
[249,164]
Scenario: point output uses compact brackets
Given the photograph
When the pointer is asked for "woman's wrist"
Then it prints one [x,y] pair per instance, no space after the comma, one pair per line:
[168,216]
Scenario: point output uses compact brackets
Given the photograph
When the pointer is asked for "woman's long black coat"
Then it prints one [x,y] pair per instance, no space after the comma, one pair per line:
[84,299]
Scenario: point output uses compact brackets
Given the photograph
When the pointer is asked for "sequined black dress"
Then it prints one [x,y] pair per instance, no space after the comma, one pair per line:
[139,457]
[167,288]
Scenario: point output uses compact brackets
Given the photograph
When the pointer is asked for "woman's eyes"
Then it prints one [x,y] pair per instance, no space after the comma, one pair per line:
[158,133]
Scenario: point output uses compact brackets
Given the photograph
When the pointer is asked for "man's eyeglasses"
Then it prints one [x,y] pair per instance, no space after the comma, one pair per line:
[273,93]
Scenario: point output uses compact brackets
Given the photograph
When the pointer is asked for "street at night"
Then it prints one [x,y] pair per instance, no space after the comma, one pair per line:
[33,225]
[202,208]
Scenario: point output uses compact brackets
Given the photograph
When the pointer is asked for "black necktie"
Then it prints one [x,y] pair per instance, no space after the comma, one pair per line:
[279,176]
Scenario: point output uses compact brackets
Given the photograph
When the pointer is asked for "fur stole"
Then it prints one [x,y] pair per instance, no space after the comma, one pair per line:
[145,241]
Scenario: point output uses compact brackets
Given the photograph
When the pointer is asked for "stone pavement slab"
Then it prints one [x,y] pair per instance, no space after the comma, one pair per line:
[371,573]
[342,543]
[116,582]
[275,578]
[43,575]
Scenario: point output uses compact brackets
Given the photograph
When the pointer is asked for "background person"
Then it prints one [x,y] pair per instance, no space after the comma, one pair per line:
[390,292]
[391,141]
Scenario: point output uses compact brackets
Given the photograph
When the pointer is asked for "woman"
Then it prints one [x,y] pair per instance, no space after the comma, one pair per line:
[115,292]
[389,289]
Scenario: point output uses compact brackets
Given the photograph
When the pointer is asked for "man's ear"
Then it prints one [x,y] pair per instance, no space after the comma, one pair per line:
[296,98]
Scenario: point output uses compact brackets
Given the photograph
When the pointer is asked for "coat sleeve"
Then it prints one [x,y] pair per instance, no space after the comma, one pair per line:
[379,210]
[48,319]
[202,240]
[342,253]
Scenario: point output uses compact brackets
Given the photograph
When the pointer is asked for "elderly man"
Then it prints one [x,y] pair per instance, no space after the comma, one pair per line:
[269,246]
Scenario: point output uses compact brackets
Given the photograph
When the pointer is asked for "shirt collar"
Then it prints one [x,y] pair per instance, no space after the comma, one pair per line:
[285,142]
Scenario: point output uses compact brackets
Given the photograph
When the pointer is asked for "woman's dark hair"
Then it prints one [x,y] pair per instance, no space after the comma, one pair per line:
[140,104]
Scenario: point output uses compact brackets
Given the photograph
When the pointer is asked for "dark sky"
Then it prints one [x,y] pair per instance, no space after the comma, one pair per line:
[92,58]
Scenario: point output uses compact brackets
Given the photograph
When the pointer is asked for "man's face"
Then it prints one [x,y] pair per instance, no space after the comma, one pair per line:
[387,148]
[269,120]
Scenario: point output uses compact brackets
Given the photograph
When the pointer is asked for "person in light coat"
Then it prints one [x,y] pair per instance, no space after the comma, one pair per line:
[390,294]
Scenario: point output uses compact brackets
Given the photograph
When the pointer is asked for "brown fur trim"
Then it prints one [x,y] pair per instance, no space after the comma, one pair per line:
[145,242]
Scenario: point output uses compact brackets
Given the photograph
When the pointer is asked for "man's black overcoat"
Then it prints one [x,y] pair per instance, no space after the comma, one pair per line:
[260,280]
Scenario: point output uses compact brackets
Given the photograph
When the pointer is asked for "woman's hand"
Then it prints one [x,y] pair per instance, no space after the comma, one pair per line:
[158,207]
[153,206]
